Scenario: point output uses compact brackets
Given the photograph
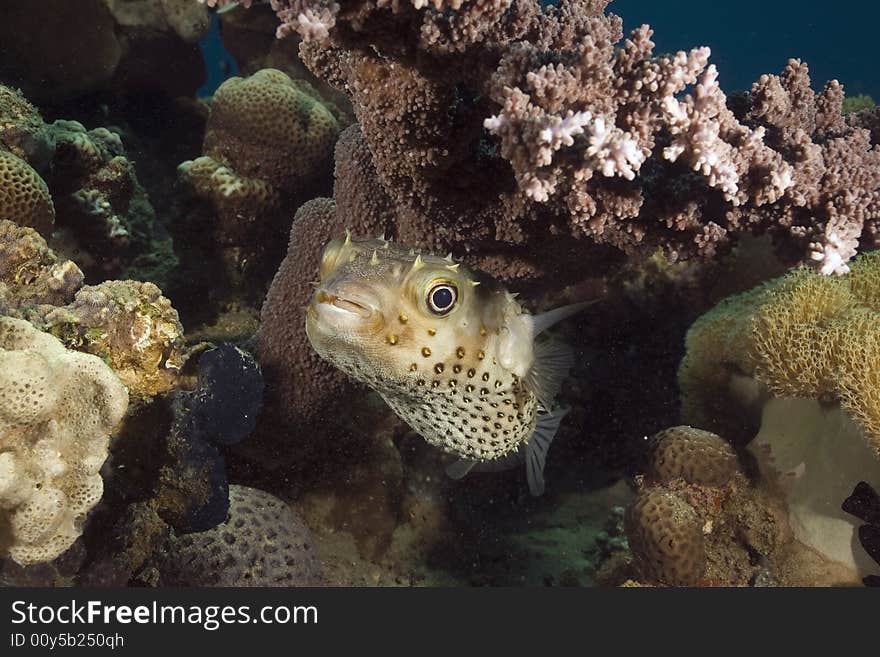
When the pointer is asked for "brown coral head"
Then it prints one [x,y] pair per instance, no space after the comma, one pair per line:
[697,456]
[666,538]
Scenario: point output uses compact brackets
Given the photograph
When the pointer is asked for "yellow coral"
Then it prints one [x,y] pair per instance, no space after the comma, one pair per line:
[803,335]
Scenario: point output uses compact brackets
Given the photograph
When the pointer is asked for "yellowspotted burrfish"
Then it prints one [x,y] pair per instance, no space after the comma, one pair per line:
[449,349]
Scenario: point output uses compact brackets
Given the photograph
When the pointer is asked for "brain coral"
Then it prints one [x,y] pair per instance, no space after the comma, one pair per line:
[803,335]
[24,196]
[666,537]
[270,127]
[57,410]
[697,456]
[262,543]
[31,273]
[131,326]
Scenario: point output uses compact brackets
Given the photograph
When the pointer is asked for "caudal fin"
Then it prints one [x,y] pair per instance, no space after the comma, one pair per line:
[539,445]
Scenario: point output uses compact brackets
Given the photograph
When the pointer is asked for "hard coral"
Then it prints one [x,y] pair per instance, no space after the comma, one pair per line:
[697,456]
[22,130]
[666,537]
[272,128]
[797,357]
[131,326]
[263,542]
[31,273]
[57,410]
[289,363]
[24,196]
[495,125]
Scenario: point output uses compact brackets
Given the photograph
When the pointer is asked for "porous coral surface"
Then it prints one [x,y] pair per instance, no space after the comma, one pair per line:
[57,410]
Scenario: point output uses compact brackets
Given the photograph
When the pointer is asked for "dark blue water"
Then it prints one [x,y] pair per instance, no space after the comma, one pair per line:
[750,37]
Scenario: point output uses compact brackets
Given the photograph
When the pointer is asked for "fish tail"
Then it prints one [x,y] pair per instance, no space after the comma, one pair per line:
[539,445]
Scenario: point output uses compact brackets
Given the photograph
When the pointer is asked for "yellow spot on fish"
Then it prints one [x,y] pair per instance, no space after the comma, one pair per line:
[481,355]
[456,369]
[439,368]
[413,367]
[483,330]
[392,339]
[426,352]
[403,318]
[460,352]
[432,332]
[471,373]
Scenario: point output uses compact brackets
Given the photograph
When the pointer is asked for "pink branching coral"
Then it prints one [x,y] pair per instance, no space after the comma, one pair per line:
[503,129]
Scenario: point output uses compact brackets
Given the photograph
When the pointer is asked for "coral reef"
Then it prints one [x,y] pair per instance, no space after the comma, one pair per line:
[31,273]
[695,528]
[263,542]
[796,358]
[131,326]
[268,146]
[57,411]
[495,126]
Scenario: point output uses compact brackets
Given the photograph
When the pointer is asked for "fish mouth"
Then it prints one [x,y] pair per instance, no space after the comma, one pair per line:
[323,299]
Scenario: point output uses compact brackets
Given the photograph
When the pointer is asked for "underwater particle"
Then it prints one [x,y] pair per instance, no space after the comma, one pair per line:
[263,542]
[24,196]
[697,456]
[666,537]
[57,411]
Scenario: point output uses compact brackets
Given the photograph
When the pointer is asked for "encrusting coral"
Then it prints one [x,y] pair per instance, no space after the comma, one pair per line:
[31,273]
[131,326]
[57,411]
[500,127]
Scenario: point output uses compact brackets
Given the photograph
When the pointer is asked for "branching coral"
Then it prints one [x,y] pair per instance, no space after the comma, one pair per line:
[496,124]
[57,410]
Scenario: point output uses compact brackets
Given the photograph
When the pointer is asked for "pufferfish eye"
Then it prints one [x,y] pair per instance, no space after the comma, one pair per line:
[442,298]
